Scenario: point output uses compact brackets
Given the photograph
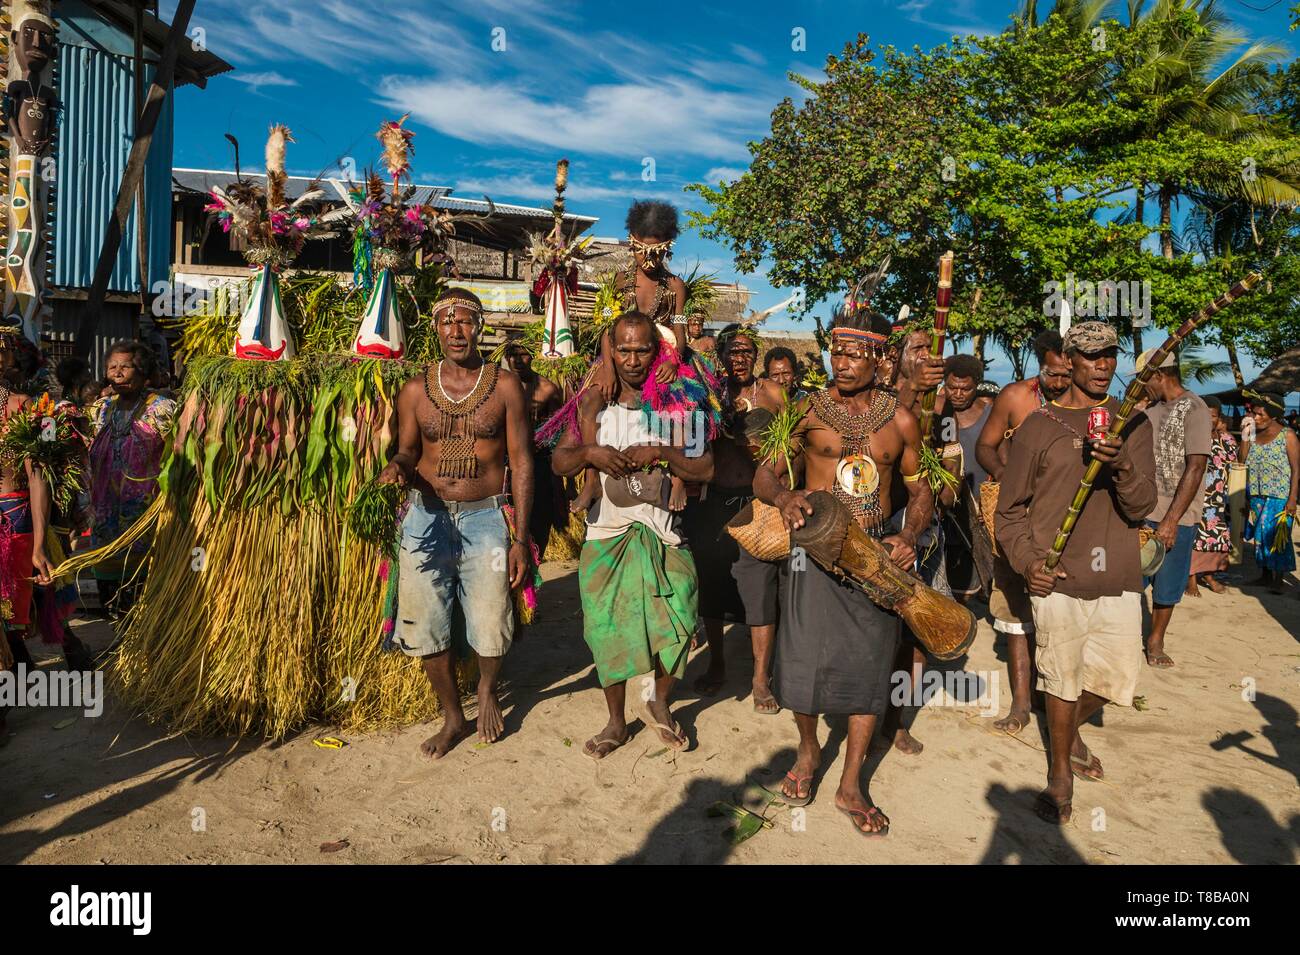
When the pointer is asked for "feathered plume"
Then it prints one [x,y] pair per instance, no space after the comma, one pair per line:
[561,183]
[275,174]
[861,294]
[397,148]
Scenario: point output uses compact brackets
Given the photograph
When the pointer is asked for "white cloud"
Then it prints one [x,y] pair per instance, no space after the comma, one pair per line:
[258,80]
[748,55]
[607,120]
[722,174]
[335,33]
[916,11]
[541,191]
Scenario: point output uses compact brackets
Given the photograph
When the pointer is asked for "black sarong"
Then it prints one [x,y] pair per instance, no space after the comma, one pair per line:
[550,510]
[733,585]
[834,647]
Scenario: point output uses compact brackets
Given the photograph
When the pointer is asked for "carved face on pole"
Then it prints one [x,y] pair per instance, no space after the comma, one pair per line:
[33,44]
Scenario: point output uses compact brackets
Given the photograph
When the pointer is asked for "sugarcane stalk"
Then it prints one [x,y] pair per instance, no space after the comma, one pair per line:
[1131,397]
[942,302]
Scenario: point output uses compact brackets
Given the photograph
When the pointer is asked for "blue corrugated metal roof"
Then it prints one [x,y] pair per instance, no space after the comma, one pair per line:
[95,130]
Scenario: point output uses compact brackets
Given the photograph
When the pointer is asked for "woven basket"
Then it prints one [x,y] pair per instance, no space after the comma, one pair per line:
[758,528]
[989,504]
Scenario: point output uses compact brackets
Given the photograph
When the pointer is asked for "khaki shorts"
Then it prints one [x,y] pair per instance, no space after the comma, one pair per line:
[1009,601]
[1093,645]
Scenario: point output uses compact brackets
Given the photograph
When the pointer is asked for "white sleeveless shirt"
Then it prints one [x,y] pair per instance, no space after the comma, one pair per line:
[619,427]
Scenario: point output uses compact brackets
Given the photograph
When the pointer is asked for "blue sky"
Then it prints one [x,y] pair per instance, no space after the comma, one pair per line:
[500,89]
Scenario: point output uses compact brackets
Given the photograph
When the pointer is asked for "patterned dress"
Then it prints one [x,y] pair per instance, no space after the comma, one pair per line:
[1268,482]
[1214,532]
[125,458]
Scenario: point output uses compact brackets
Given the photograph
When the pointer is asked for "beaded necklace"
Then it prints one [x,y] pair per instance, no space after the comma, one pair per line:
[855,430]
[661,291]
[456,458]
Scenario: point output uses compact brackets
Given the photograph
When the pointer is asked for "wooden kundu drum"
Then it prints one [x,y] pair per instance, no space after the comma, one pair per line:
[838,545]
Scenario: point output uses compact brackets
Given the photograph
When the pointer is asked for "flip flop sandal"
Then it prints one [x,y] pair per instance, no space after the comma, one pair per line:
[797,801]
[706,687]
[762,712]
[866,815]
[1077,766]
[1020,725]
[1152,661]
[595,752]
[676,730]
[1050,812]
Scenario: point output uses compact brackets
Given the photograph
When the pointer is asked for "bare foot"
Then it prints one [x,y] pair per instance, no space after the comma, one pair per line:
[1191,589]
[1014,721]
[441,743]
[1213,584]
[677,495]
[587,496]
[490,723]
[606,741]
[867,818]
[1054,804]
[907,744]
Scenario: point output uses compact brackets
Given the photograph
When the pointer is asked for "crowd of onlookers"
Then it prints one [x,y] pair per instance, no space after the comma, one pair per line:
[123,419]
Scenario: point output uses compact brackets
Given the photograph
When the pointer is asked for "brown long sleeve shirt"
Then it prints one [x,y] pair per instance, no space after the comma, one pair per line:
[1046,461]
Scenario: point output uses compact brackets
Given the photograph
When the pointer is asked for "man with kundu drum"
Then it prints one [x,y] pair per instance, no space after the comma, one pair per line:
[1013,616]
[835,646]
[1087,607]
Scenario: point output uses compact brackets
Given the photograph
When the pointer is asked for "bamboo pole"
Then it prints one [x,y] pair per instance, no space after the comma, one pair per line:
[1131,396]
[942,302]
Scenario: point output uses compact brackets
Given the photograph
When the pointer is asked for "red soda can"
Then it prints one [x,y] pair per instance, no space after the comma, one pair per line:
[1098,423]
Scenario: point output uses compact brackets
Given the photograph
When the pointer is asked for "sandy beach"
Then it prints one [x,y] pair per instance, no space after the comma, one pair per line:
[1203,774]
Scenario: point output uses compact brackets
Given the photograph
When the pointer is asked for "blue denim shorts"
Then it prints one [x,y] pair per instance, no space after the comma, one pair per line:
[1170,581]
[453,585]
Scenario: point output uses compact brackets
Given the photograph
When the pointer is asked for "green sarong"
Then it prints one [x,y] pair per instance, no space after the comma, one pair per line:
[638,603]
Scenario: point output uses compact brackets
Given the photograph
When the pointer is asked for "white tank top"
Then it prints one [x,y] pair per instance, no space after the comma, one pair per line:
[619,427]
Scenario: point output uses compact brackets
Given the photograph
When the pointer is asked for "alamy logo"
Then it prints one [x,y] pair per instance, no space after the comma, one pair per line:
[40,687]
[103,908]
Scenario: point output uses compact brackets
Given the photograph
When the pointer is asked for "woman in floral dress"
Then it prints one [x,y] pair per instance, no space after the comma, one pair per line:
[129,428]
[1214,532]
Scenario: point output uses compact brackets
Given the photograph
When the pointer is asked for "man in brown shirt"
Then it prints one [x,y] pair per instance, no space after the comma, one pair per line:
[1087,611]
[1013,615]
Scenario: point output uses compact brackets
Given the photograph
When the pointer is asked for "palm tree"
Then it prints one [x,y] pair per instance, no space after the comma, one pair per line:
[1204,85]
[1198,368]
